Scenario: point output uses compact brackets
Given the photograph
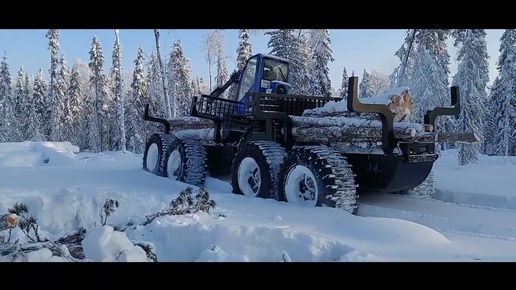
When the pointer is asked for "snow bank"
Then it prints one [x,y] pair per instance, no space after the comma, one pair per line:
[103,244]
[188,239]
[216,254]
[489,183]
[33,154]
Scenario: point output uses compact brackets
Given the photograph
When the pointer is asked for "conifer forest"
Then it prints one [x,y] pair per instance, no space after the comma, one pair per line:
[101,110]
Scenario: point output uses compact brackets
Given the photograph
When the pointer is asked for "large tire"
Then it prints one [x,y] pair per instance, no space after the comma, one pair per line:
[264,158]
[185,161]
[318,176]
[155,150]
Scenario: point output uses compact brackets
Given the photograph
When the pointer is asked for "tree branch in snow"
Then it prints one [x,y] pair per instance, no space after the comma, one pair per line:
[149,249]
[27,222]
[68,247]
[109,207]
[185,203]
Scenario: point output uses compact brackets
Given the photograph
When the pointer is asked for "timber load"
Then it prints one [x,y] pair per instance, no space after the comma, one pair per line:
[333,123]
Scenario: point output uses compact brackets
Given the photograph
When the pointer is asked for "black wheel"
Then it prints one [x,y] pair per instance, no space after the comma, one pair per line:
[318,176]
[185,161]
[154,151]
[255,169]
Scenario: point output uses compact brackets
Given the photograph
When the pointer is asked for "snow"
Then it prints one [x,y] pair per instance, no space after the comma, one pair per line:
[469,218]
[103,244]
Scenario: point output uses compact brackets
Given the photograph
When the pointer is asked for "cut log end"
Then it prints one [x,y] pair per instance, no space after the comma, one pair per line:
[8,221]
[12,220]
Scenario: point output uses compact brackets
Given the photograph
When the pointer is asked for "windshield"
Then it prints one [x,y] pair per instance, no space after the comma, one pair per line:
[275,70]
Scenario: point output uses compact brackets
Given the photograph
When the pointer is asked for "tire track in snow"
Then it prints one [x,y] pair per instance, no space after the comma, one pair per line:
[441,216]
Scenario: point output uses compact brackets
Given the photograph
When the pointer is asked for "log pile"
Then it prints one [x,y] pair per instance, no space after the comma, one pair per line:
[333,123]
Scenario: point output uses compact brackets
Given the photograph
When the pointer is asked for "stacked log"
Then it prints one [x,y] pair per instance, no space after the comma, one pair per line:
[334,129]
[333,123]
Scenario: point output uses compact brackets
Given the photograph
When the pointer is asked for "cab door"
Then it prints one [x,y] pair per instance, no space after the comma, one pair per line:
[248,81]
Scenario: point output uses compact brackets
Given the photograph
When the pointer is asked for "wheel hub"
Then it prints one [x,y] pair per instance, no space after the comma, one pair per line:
[152,157]
[249,177]
[174,164]
[307,190]
[301,186]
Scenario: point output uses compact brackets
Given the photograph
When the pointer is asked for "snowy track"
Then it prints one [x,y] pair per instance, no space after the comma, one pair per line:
[483,217]
[442,216]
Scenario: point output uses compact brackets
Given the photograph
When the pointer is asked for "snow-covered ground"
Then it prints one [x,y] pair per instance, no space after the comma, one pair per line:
[469,219]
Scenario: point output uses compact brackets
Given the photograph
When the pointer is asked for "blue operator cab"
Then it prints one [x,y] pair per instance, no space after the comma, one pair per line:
[262,74]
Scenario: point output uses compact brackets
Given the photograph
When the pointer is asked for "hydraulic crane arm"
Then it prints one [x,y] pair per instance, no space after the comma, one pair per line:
[234,78]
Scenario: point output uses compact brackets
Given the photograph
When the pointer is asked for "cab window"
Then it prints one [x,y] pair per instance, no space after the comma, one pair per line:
[275,70]
[248,78]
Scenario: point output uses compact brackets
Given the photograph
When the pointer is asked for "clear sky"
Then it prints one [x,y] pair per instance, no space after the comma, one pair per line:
[356,49]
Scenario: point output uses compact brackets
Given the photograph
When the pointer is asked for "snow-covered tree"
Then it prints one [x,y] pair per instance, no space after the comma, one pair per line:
[154,88]
[180,76]
[212,43]
[37,109]
[19,100]
[285,43]
[489,122]
[282,42]
[300,63]
[406,53]
[245,48]
[97,127]
[429,84]
[51,102]
[118,129]
[203,87]
[423,77]
[163,74]
[27,109]
[503,95]
[6,101]
[343,92]
[63,105]
[76,117]
[222,74]
[322,55]
[378,82]
[222,69]
[135,131]
[471,78]
[364,88]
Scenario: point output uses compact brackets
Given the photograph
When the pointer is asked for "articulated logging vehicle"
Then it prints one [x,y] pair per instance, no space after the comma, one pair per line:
[278,145]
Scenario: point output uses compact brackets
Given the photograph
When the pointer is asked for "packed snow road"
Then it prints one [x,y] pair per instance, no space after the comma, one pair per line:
[442,216]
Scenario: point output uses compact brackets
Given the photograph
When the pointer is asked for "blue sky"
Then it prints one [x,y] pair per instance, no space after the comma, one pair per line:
[356,49]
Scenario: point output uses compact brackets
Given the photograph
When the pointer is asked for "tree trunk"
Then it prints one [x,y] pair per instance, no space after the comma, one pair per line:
[189,123]
[301,121]
[163,76]
[347,133]
[458,137]
[120,96]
